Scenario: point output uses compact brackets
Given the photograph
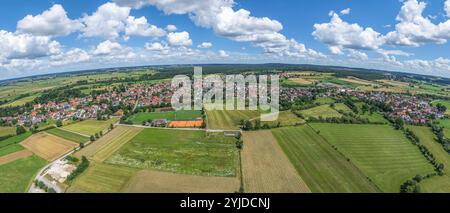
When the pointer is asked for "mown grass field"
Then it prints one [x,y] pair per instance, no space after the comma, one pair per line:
[323,168]
[189,152]
[324,111]
[115,144]
[90,127]
[285,118]
[446,124]
[102,178]
[16,176]
[138,118]
[4,131]
[116,134]
[265,168]
[380,152]
[68,135]
[435,184]
[228,119]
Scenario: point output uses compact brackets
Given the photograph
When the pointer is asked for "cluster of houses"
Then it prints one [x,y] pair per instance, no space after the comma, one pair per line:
[93,106]
[411,109]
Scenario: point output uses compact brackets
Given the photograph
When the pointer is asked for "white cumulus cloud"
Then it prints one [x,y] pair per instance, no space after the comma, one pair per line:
[238,25]
[224,54]
[19,46]
[414,29]
[171,28]
[52,22]
[179,39]
[107,47]
[345,11]
[205,45]
[338,35]
[107,22]
[140,27]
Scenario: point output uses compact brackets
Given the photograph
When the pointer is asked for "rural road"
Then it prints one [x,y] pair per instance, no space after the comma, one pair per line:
[40,177]
[33,187]
[181,129]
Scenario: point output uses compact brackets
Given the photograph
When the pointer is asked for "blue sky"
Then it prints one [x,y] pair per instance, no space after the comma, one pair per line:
[63,35]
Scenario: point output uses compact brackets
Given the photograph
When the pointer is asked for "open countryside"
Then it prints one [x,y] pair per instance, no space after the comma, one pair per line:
[332,135]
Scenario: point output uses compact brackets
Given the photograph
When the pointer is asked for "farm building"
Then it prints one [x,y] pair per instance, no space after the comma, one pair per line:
[232,133]
[159,123]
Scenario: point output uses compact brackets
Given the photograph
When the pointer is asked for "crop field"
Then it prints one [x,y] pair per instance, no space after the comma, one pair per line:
[374,117]
[68,135]
[47,146]
[342,107]
[325,111]
[228,119]
[10,149]
[323,168]
[300,81]
[265,168]
[14,156]
[4,131]
[394,83]
[118,132]
[147,181]
[324,100]
[357,81]
[17,175]
[4,144]
[391,89]
[188,152]
[285,118]
[380,152]
[138,118]
[21,101]
[90,127]
[115,144]
[102,178]
[439,184]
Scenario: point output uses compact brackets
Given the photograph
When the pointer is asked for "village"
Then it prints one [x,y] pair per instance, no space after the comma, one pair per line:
[411,109]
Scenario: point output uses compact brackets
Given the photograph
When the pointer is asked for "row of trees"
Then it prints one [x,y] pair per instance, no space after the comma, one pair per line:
[80,169]
[438,167]
[439,132]
[44,187]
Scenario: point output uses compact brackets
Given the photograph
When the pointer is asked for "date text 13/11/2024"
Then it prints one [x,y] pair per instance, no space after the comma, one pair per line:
[235,203]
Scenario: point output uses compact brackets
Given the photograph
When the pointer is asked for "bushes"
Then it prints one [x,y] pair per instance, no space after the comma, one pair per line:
[80,169]
[439,132]
[44,187]
[20,130]
[410,186]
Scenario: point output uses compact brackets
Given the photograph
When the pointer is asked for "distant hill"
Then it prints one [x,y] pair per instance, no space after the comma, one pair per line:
[367,74]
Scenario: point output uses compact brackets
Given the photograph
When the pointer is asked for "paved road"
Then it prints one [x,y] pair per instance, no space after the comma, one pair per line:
[41,172]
